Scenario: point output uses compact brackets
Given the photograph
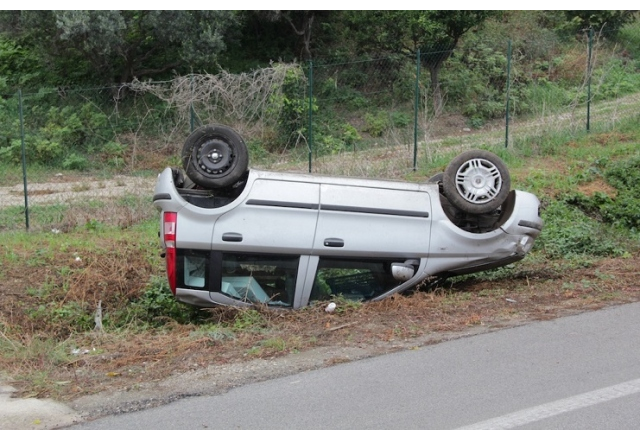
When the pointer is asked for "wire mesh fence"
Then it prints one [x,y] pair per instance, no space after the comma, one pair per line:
[87,157]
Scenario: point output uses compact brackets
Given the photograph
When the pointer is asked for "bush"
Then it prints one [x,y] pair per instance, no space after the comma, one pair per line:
[616,79]
[475,81]
[292,108]
[377,124]
[623,210]
[75,162]
[569,232]
[157,305]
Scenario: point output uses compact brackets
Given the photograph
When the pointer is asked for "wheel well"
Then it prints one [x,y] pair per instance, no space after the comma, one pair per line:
[479,223]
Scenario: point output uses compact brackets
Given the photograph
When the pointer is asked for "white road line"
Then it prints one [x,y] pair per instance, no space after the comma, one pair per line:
[550,409]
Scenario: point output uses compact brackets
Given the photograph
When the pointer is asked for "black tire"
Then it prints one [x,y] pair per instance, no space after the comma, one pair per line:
[215,156]
[436,178]
[476,182]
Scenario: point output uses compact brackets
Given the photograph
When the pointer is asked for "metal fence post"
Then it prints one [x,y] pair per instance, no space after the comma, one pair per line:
[24,161]
[506,135]
[415,112]
[310,134]
[589,81]
[191,109]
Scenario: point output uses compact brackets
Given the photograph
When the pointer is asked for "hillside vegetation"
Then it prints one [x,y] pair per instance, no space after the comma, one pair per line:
[429,74]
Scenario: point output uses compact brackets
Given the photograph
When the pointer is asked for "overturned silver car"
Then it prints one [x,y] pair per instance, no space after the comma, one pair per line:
[236,236]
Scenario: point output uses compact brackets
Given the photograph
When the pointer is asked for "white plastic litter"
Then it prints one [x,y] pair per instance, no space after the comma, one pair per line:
[330,307]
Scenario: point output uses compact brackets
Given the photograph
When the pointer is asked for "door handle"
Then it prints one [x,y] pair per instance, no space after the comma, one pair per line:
[232,236]
[334,242]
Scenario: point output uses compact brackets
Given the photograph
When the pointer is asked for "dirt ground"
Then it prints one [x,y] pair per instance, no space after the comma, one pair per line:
[60,189]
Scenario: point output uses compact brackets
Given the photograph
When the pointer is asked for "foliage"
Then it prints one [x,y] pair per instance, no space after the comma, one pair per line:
[358,74]
[569,232]
[622,210]
[435,33]
[69,317]
[609,21]
[376,124]
[157,305]
[475,80]
[247,319]
[117,46]
[616,78]
[631,35]
[74,161]
[292,107]
[19,65]
[543,96]
[349,134]
[60,131]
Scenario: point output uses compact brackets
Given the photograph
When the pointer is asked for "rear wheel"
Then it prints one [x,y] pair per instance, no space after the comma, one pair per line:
[215,156]
[476,182]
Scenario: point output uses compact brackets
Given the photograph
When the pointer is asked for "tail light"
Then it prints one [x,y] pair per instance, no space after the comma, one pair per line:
[169,226]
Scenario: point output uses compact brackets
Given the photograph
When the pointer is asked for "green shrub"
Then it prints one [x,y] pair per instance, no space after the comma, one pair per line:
[544,96]
[68,317]
[623,210]
[400,119]
[247,319]
[157,305]
[349,134]
[75,161]
[616,79]
[569,232]
[475,80]
[376,125]
[290,108]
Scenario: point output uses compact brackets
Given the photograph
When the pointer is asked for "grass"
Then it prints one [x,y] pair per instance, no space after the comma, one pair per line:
[106,252]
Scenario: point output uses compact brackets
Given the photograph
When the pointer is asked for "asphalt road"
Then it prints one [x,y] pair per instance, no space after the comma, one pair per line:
[578,372]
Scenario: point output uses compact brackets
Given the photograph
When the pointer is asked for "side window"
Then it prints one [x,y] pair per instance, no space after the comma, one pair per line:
[193,269]
[268,279]
[356,280]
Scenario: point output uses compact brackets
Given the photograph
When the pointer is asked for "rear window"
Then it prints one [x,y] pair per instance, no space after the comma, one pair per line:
[193,269]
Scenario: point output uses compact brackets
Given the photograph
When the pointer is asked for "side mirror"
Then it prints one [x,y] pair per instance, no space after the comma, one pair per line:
[402,271]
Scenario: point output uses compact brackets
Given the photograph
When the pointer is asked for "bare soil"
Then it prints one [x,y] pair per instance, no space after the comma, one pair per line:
[62,189]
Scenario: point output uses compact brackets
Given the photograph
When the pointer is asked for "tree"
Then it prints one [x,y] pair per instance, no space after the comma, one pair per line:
[301,22]
[609,21]
[435,33]
[120,45]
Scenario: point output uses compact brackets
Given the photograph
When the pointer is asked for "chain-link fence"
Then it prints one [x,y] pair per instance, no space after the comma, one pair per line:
[88,157]
[482,93]
[83,153]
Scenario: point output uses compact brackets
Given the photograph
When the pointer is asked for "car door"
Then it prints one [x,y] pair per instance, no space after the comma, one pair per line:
[277,216]
[373,222]
[262,245]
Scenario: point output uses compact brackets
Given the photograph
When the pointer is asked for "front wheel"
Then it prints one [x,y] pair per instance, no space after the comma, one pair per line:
[476,182]
[215,156]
